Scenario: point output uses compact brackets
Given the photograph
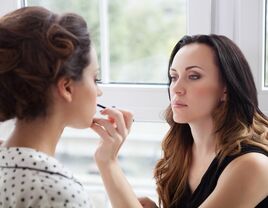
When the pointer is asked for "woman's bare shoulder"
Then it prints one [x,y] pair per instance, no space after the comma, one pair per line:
[243,183]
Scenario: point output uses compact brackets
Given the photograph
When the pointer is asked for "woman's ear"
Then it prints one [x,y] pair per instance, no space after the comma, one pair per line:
[65,88]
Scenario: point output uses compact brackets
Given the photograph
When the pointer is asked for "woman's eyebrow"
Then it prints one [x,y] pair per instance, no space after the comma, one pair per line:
[172,69]
[194,66]
[187,68]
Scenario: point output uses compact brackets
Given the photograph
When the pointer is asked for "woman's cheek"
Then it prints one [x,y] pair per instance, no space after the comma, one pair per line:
[207,93]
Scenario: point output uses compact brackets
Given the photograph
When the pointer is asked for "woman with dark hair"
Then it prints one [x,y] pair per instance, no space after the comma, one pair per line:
[216,151]
[48,73]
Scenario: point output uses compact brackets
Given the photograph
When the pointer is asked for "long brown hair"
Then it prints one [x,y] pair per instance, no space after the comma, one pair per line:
[37,47]
[237,121]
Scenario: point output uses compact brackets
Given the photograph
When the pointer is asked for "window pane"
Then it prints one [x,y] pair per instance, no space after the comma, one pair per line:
[142,35]
[88,9]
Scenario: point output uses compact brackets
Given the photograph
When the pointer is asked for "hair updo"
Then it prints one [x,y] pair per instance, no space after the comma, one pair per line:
[37,47]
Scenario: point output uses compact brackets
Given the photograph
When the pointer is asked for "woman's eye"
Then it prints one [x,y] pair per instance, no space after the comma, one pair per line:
[97,81]
[194,77]
[173,78]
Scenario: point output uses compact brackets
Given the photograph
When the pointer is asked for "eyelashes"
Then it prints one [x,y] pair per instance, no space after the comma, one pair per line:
[190,77]
[194,77]
[97,81]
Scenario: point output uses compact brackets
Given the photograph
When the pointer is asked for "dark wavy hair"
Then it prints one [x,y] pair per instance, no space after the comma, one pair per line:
[237,121]
[37,47]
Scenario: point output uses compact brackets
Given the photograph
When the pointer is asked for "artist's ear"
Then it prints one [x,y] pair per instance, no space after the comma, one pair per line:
[65,88]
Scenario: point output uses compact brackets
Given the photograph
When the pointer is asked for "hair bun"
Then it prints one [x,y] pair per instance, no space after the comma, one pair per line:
[61,41]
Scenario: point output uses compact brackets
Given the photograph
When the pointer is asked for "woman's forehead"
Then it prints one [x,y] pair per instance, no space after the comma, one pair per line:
[194,54]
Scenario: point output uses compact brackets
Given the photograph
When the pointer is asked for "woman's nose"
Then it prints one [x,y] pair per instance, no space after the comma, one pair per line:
[178,88]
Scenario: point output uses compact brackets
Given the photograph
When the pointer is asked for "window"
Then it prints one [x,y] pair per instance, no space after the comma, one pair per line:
[142,34]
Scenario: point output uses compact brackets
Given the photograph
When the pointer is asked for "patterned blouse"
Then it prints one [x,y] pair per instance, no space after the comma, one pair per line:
[32,179]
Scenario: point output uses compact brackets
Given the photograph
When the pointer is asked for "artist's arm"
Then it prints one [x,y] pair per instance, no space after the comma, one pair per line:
[243,184]
[113,132]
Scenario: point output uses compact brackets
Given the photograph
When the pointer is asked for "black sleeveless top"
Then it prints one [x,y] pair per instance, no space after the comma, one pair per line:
[210,178]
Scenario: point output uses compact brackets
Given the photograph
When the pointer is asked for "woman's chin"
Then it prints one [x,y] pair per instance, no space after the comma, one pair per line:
[179,120]
[82,125]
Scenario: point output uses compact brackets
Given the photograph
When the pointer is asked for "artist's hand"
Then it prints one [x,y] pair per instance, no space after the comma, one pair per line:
[113,132]
[147,202]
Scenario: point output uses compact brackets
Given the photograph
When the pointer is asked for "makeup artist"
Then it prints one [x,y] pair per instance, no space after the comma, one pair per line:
[216,151]
[48,72]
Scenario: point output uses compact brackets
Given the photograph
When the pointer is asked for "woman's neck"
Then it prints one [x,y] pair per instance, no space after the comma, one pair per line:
[204,137]
[40,134]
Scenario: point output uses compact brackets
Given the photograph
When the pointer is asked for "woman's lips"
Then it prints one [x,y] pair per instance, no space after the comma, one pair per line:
[178,104]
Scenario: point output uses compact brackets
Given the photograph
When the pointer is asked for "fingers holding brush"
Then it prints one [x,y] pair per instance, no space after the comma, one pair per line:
[113,130]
